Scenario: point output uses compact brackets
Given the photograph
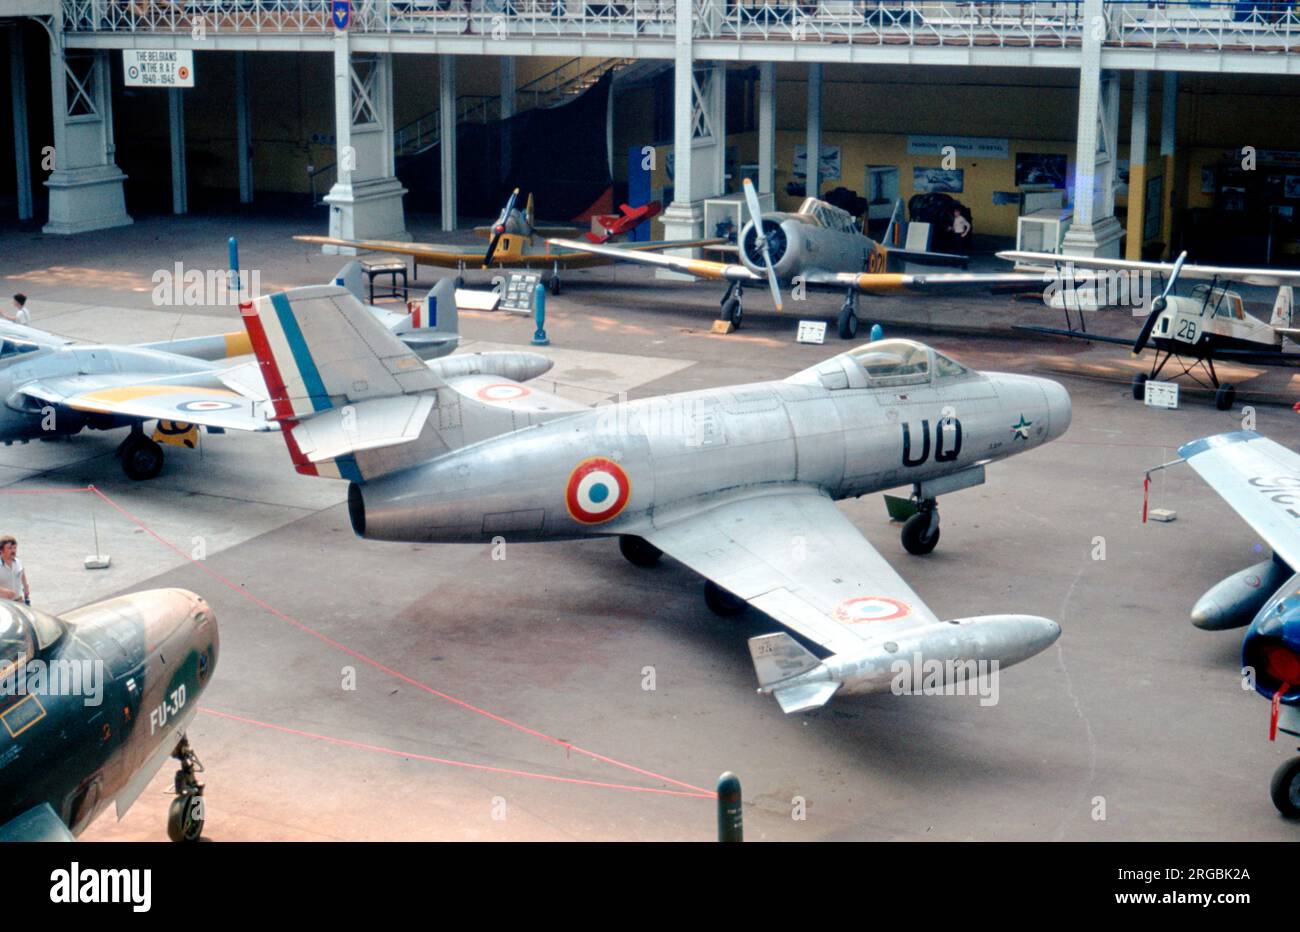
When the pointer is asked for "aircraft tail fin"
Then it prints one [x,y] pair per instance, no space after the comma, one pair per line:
[350,277]
[780,662]
[353,401]
[1283,307]
[436,313]
[320,349]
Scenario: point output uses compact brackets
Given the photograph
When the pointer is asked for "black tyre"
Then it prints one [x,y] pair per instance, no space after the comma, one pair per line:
[918,539]
[1225,396]
[848,324]
[185,818]
[1139,386]
[734,311]
[142,459]
[1285,789]
[721,602]
[554,286]
[639,551]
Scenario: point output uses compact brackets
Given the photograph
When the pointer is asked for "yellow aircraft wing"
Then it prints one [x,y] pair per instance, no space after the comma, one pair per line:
[879,283]
[190,404]
[512,253]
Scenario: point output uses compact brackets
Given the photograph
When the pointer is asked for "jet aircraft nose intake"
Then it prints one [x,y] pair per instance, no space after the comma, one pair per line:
[1059,410]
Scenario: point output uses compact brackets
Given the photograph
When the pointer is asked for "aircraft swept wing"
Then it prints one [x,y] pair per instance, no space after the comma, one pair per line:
[125,395]
[791,553]
[877,283]
[1258,478]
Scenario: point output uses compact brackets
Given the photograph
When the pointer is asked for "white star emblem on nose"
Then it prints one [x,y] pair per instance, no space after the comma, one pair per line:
[1021,431]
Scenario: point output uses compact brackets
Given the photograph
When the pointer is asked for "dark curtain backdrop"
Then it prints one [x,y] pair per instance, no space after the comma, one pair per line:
[558,155]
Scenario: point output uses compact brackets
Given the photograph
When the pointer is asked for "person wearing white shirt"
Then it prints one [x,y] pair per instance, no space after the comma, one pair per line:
[13,578]
[19,313]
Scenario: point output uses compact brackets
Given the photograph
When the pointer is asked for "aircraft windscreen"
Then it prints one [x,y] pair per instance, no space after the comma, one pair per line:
[10,348]
[15,636]
[893,362]
[946,368]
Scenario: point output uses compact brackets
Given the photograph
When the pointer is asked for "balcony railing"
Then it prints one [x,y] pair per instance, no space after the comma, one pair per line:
[1271,26]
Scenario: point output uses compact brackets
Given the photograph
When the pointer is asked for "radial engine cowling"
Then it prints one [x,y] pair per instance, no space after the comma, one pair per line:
[1234,602]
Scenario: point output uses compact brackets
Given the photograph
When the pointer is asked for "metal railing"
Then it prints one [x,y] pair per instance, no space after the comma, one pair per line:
[1271,26]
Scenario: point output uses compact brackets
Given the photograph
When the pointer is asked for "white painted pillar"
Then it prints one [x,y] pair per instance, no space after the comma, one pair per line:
[1137,167]
[814,144]
[684,217]
[176,132]
[447,138]
[85,187]
[22,152]
[717,106]
[366,200]
[1168,147]
[767,127]
[1094,231]
[243,130]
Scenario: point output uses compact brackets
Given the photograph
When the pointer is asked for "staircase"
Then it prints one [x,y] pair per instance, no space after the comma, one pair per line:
[557,86]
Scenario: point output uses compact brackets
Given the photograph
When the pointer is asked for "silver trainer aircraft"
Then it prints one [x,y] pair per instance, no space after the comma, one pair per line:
[1260,479]
[738,483]
[818,246]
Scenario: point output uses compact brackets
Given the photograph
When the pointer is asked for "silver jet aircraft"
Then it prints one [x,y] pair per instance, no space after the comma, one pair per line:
[739,483]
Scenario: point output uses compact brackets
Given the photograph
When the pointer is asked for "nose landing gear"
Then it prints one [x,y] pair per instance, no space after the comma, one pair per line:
[921,531]
[185,816]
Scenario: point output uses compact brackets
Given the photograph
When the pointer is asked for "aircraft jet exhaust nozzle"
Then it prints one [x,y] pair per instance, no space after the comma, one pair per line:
[1234,602]
[935,656]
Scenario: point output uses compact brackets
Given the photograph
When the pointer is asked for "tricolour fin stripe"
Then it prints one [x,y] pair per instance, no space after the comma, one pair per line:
[302,358]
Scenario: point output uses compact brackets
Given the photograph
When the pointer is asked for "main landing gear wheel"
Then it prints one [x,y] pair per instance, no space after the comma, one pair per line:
[848,323]
[185,816]
[733,311]
[554,286]
[1285,789]
[720,601]
[1225,396]
[141,457]
[639,551]
[921,532]
[1139,386]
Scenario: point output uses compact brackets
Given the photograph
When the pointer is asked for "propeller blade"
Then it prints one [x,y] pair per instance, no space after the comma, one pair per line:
[499,228]
[756,217]
[1157,308]
[1158,305]
[1173,276]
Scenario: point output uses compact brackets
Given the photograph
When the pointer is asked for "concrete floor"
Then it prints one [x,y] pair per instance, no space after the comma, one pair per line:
[1133,709]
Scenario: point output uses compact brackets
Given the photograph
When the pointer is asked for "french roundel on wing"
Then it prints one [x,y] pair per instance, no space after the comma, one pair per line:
[503,391]
[208,404]
[597,491]
[871,608]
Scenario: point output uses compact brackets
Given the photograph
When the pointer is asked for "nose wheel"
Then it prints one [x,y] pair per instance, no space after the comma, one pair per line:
[921,531]
[141,457]
[1285,789]
[185,816]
